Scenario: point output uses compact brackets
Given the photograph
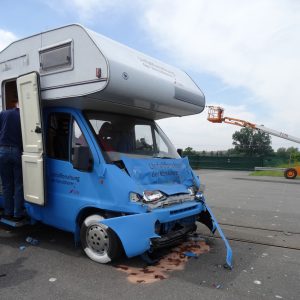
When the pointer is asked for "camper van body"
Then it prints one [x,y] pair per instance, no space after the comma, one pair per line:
[138,194]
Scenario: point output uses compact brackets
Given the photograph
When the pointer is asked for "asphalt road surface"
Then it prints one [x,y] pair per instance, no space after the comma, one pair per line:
[260,216]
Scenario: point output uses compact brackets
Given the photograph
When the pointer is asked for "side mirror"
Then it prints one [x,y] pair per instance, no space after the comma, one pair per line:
[180,152]
[82,158]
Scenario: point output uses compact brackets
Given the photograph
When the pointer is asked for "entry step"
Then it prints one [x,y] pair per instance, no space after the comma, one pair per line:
[14,223]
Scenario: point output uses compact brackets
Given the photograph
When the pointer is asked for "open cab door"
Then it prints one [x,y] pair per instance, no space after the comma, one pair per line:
[32,136]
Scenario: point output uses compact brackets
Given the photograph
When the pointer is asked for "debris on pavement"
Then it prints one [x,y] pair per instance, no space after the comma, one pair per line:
[174,260]
[190,254]
[32,241]
[217,286]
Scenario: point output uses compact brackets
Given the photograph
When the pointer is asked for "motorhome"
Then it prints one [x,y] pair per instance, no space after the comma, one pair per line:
[95,162]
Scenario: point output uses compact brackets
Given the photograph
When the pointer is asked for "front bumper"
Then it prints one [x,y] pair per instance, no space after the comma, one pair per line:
[173,237]
[137,232]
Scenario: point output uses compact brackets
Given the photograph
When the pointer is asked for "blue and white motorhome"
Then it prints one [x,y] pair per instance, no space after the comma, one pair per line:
[95,163]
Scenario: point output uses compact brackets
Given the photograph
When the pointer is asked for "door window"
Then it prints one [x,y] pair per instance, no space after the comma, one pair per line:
[162,148]
[143,138]
[58,136]
[78,138]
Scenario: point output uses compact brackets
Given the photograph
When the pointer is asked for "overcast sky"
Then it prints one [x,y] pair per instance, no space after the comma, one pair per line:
[244,55]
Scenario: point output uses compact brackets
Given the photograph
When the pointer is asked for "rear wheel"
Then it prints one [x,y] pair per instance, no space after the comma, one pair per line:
[290,173]
[99,242]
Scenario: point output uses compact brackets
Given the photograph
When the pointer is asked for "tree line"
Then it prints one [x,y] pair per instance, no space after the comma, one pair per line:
[250,143]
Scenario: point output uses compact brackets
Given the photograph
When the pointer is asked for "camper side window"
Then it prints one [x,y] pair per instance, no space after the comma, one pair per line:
[56,58]
[58,132]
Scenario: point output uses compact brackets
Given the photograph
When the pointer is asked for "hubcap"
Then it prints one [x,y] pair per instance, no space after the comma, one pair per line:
[97,239]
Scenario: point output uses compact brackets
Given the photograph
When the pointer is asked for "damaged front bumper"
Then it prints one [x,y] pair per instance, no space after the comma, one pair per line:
[137,232]
[172,238]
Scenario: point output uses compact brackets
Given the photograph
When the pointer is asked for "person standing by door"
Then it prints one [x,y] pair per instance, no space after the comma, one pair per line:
[11,148]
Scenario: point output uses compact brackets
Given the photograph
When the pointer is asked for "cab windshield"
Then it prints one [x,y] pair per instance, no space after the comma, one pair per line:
[119,135]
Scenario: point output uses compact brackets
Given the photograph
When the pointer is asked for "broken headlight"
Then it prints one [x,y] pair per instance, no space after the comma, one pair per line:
[134,197]
[198,193]
[153,196]
[192,190]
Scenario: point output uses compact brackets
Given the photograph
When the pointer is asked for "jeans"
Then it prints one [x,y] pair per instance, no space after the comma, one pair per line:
[12,180]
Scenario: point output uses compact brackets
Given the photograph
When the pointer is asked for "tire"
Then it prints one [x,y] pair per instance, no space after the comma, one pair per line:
[290,173]
[98,241]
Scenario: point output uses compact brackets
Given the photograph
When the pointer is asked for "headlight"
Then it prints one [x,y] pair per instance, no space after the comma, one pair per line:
[153,196]
[134,197]
[197,192]
[192,190]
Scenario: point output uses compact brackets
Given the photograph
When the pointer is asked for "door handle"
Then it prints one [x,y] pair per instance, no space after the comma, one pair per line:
[38,129]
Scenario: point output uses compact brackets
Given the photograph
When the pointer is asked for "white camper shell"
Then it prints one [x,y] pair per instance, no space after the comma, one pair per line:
[83,69]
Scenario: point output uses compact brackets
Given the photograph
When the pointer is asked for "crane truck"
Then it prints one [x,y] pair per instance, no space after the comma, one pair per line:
[216,115]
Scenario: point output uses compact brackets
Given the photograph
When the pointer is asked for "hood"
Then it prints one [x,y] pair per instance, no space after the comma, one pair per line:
[171,176]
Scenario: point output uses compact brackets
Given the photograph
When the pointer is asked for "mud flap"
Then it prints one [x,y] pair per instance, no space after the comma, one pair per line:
[207,218]
[134,231]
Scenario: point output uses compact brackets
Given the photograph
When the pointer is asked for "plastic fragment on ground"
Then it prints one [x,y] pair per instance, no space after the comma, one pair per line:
[32,241]
[22,248]
[190,254]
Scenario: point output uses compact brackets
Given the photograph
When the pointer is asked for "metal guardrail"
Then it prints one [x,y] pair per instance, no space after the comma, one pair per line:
[268,169]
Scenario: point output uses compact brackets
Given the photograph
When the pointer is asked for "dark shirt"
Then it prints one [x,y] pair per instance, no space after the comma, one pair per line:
[10,128]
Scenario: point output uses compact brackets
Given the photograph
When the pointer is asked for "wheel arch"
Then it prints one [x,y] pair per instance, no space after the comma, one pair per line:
[91,210]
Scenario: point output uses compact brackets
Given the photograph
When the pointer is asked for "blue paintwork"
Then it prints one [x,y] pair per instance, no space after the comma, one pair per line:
[107,187]
[168,173]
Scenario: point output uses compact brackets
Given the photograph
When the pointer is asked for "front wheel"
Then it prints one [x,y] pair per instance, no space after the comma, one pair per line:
[290,173]
[99,242]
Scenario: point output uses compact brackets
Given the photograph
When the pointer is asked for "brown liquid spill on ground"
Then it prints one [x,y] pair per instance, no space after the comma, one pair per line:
[175,260]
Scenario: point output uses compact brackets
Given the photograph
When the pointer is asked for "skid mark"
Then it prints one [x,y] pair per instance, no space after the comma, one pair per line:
[175,260]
